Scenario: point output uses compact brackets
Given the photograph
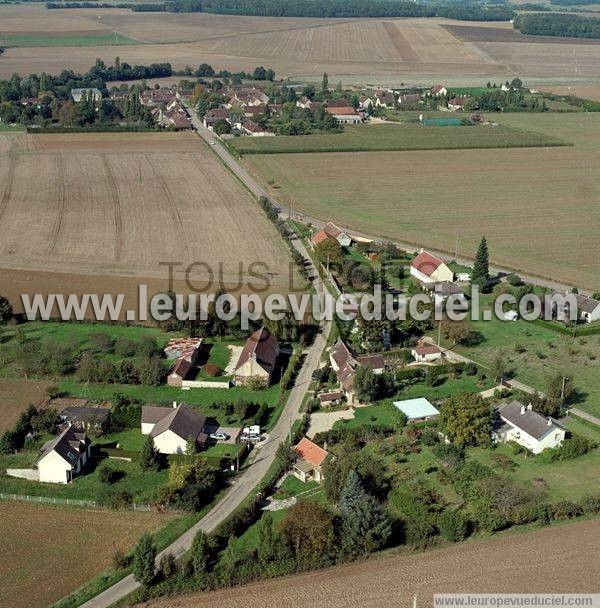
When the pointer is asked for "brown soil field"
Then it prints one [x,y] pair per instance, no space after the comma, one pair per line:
[559,559]
[579,90]
[117,205]
[15,396]
[47,552]
[299,47]
[538,207]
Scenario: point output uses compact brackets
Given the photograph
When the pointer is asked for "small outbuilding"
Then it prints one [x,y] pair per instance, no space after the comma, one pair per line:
[417,410]
[309,460]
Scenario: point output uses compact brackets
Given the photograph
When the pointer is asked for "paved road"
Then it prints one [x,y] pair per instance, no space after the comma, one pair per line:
[257,468]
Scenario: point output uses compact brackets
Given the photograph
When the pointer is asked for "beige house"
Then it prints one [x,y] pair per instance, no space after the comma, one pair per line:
[171,427]
[64,457]
[258,357]
[425,352]
[428,268]
[309,459]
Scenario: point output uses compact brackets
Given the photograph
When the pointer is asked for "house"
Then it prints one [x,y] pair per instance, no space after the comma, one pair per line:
[428,268]
[156,98]
[175,118]
[345,114]
[365,103]
[187,348]
[329,399]
[213,116]
[384,99]
[330,230]
[172,427]
[417,410]
[78,94]
[519,423]
[409,99]
[304,103]
[457,103]
[249,127]
[439,90]
[247,97]
[183,369]
[258,357]
[64,456]
[375,361]
[588,309]
[444,290]
[309,461]
[425,352]
[84,417]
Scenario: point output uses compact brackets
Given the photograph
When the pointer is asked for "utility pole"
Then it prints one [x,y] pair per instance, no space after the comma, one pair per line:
[456,249]
[439,333]
[562,392]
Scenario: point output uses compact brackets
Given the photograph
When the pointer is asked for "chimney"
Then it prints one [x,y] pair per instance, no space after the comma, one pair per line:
[529,407]
[522,410]
[549,422]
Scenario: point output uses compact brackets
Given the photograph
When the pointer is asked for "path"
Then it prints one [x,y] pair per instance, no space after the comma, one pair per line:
[252,474]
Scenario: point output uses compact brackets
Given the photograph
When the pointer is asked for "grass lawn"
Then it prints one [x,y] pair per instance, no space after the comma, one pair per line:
[292,486]
[129,439]
[568,480]
[382,137]
[87,487]
[10,129]
[532,351]
[48,40]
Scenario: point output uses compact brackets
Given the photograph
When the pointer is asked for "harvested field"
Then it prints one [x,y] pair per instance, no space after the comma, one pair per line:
[579,90]
[120,204]
[15,396]
[48,552]
[397,137]
[552,560]
[345,48]
[529,202]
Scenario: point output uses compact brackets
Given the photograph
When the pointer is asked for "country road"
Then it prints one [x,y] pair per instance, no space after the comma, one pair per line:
[262,458]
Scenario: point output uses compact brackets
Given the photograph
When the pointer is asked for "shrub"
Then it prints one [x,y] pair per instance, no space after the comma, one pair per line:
[470,369]
[210,369]
[429,437]
[574,446]
[453,525]
[107,475]
[115,499]
[566,509]
[450,455]
[167,565]
[591,504]
[120,560]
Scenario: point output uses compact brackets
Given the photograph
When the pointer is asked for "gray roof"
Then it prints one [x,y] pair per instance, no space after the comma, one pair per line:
[183,420]
[585,304]
[447,289]
[85,414]
[71,444]
[532,423]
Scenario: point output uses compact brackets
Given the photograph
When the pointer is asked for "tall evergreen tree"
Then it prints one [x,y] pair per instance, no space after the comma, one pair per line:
[143,560]
[481,268]
[325,85]
[267,539]
[200,553]
[149,458]
[365,525]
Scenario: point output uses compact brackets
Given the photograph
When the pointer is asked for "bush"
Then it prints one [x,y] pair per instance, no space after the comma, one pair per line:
[566,509]
[429,437]
[453,525]
[120,560]
[451,455]
[107,475]
[470,369]
[591,504]
[167,565]
[574,446]
[210,369]
[115,499]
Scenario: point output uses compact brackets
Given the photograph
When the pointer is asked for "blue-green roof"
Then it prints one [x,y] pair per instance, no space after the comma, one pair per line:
[414,409]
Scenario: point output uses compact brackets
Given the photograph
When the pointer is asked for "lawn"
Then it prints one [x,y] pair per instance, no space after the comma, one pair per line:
[10,128]
[383,137]
[49,40]
[565,480]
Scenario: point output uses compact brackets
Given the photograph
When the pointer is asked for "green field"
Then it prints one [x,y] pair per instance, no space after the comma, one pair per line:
[9,129]
[383,137]
[48,40]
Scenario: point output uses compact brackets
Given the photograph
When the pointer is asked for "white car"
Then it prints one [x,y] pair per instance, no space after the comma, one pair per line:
[219,436]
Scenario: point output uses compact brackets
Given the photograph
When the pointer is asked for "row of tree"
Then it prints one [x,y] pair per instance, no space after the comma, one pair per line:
[558,24]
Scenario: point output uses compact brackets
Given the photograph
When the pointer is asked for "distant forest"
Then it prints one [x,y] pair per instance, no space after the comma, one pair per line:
[468,11]
[573,2]
[558,24]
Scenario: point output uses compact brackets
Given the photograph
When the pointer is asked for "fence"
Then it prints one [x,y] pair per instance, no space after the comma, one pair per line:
[74,502]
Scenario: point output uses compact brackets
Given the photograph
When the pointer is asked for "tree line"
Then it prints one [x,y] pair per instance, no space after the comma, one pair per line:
[558,24]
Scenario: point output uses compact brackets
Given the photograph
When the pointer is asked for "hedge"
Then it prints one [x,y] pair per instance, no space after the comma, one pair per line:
[93,129]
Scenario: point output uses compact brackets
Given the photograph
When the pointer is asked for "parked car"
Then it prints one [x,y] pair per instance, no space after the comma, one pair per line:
[219,436]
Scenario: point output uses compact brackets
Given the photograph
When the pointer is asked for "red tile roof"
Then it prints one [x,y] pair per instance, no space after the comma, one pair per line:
[426,263]
[311,452]
[319,237]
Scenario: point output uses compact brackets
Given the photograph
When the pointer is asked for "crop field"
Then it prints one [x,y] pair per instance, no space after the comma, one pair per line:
[60,40]
[15,396]
[557,558]
[394,137]
[71,546]
[529,202]
[384,50]
[120,204]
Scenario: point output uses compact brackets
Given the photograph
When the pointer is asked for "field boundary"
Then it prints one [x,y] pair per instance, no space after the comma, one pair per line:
[72,502]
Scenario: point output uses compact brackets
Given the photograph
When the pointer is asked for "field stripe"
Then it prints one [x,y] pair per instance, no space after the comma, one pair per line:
[169,197]
[8,186]
[400,43]
[114,196]
[61,206]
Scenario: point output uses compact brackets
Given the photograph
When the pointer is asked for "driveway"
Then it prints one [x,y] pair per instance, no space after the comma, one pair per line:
[321,422]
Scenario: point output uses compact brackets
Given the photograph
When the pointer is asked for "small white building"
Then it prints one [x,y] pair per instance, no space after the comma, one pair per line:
[425,352]
[417,410]
[519,423]
[428,268]
[64,457]
[171,427]
[309,460]
[78,94]
[446,290]
[438,90]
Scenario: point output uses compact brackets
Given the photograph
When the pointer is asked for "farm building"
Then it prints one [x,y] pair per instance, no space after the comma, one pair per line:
[384,99]
[409,99]
[588,309]
[213,116]
[345,114]
[171,427]
[425,352]
[85,417]
[309,460]
[428,268]
[519,423]
[439,90]
[330,398]
[78,94]
[330,230]
[249,127]
[444,290]
[64,456]
[417,410]
[258,357]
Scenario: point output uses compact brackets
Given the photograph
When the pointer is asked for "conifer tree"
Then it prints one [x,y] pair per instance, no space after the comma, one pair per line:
[481,268]
[143,560]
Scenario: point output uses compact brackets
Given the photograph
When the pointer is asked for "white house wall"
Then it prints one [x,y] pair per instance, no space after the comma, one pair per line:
[170,443]
[53,468]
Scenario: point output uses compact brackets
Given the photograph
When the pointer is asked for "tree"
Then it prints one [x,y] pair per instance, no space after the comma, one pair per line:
[481,268]
[460,332]
[143,560]
[328,251]
[222,127]
[6,311]
[268,543]
[497,367]
[200,554]
[559,389]
[325,86]
[365,525]
[466,419]
[149,458]
[366,383]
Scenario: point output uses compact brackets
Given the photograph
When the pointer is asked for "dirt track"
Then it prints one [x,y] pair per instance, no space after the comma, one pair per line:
[552,560]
